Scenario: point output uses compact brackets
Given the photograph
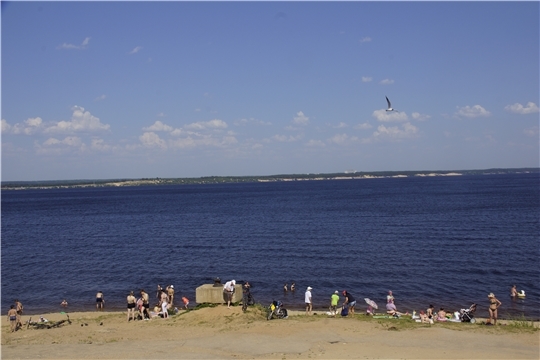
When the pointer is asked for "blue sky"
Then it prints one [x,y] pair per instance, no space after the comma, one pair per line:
[102,90]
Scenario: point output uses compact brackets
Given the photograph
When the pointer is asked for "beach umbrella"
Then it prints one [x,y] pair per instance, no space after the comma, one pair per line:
[371,303]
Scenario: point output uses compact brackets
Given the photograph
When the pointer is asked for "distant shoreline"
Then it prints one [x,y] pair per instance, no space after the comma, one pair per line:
[349,175]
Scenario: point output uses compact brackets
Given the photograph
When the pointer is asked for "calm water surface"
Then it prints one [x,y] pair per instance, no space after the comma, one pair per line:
[448,241]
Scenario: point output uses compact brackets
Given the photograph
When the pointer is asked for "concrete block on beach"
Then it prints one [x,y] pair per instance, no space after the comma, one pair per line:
[208,293]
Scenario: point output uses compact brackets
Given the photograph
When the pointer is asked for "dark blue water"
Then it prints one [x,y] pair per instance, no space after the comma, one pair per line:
[446,241]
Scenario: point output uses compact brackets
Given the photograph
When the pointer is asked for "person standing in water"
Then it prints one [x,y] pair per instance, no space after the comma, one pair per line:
[100,300]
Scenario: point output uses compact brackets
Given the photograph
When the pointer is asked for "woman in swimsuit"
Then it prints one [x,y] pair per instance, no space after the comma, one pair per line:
[494,304]
[131,303]
[441,315]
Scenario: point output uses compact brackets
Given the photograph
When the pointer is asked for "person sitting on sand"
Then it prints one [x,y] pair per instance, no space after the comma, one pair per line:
[441,315]
[429,311]
[64,303]
[423,317]
[392,310]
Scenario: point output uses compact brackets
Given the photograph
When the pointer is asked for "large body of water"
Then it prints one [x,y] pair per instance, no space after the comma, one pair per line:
[446,241]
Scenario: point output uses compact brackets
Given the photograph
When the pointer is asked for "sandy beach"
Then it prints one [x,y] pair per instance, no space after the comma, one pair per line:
[221,333]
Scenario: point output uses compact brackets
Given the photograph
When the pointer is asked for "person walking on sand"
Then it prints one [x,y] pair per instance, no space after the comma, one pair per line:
[494,304]
[228,291]
[349,301]
[13,318]
[334,299]
[19,309]
[308,300]
[131,304]
[163,297]
[100,300]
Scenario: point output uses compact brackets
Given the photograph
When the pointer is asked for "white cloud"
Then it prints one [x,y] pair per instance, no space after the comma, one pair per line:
[365,39]
[5,126]
[99,98]
[532,131]
[99,145]
[212,124]
[300,119]
[159,126]
[285,138]
[81,121]
[136,50]
[386,82]
[517,108]
[389,116]
[420,117]
[342,139]
[363,126]
[366,78]
[473,111]
[152,140]
[161,114]
[315,143]
[242,122]
[83,45]
[72,141]
[28,127]
[407,130]
[341,125]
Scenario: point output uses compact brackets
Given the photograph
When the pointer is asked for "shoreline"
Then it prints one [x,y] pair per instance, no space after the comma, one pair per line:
[295,308]
[222,333]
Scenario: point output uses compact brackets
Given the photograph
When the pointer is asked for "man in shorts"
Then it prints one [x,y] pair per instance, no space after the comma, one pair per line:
[228,291]
[349,301]
[13,317]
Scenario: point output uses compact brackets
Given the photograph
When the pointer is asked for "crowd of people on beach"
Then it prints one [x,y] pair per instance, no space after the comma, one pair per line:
[428,316]
[139,308]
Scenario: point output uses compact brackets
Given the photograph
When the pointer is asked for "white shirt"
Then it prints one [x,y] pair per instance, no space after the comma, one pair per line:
[308,297]
[228,286]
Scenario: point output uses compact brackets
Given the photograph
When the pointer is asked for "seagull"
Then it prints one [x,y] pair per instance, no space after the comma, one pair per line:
[389,105]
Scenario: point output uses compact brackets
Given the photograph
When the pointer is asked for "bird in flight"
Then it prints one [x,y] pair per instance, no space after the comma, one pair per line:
[390,105]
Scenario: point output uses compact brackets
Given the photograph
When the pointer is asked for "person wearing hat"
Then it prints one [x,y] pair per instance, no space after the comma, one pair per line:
[349,301]
[494,304]
[334,299]
[308,300]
